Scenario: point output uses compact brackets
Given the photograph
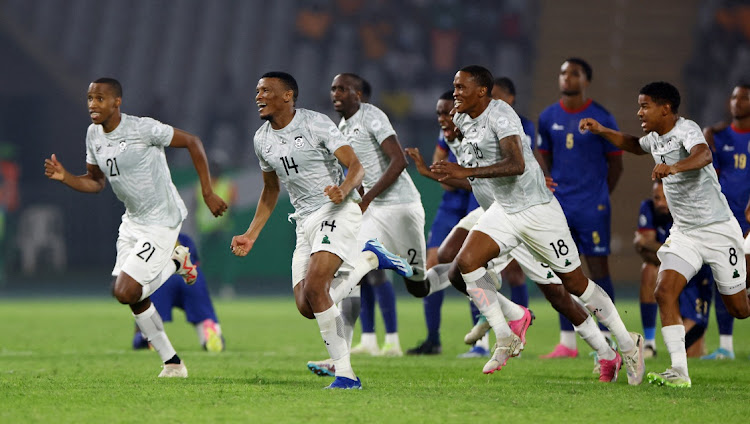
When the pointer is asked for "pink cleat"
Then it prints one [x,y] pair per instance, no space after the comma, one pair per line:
[561,351]
[608,369]
[519,326]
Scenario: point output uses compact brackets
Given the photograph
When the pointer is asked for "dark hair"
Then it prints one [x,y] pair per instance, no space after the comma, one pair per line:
[357,80]
[287,79]
[448,95]
[743,84]
[366,90]
[480,75]
[506,84]
[583,64]
[112,83]
[663,92]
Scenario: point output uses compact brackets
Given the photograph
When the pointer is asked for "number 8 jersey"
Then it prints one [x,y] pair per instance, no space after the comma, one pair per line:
[302,155]
[132,158]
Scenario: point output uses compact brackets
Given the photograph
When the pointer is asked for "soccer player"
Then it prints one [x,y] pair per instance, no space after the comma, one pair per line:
[704,229]
[128,151]
[302,149]
[586,169]
[731,148]
[194,300]
[523,211]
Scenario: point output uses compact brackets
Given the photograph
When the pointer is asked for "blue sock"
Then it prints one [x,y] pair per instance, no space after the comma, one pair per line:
[432,305]
[565,324]
[387,301]
[474,312]
[367,313]
[520,295]
[724,320]
[648,319]
[606,284]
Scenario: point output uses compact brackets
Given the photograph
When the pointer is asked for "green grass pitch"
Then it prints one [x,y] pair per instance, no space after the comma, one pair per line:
[69,360]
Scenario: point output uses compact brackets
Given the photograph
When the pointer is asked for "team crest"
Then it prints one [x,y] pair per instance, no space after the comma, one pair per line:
[299,142]
[123,146]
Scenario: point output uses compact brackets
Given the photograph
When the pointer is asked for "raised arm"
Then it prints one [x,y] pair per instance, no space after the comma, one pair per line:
[193,144]
[700,156]
[93,181]
[392,148]
[626,142]
[242,244]
[423,170]
[511,164]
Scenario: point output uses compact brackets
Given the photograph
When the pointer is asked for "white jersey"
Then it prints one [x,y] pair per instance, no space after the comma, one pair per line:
[302,155]
[366,130]
[132,158]
[694,197]
[480,147]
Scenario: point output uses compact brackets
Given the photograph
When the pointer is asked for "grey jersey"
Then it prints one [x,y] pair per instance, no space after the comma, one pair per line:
[132,158]
[694,197]
[480,147]
[366,130]
[302,155]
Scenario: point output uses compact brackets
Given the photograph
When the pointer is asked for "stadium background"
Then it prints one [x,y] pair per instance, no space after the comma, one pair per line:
[194,64]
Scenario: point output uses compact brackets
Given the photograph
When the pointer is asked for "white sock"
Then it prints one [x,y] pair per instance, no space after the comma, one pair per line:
[152,327]
[511,311]
[600,304]
[332,330]
[149,288]
[674,338]
[437,276]
[726,341]
[392,338]
[368,339]
[484,342]
[590,333]
[484,295]
[342,286]
[568,339]
[350,308]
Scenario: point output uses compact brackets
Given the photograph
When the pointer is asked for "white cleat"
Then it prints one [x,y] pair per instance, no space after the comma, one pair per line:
[174,370]
[634,362]
[478,331]
[362,348]
[504,349]
[391,349]
[186,269]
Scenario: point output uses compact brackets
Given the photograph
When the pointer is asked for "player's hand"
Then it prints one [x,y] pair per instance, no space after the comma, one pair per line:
[662,170]
[334,193]
[591,125]
[551,184]
[54,169]
[449,170]
[215,203]
[241,245]
[414,154]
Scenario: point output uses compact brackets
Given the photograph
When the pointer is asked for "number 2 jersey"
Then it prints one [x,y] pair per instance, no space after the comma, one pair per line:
[132,158]
[730,161]
[302,155]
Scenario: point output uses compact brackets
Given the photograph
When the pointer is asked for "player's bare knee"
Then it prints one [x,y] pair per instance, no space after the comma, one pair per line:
[417,288]
[454,275]
[127,294]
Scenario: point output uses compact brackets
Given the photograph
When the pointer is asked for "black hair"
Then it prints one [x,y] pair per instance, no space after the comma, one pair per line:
[506,84]
[662,92]
[480,75]
[448,95]
[116,86]
[583,64]
[287,79]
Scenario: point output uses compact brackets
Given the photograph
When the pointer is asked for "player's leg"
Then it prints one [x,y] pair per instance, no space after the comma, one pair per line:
[386,298]
[164,300]
[649,307]
[368,342]
[725,322]
[599,268]
[513,275]
[432,304]
[199,311]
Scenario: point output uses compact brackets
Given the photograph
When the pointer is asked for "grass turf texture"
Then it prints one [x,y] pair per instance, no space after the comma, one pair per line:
[70,361]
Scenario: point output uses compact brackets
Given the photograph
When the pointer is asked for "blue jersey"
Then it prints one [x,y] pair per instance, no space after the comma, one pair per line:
[529,130]
[579,160]
[649,219]
[731,162]
[458,198]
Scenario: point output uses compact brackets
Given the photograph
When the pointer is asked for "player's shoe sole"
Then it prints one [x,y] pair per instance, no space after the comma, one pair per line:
[323,368]
[669,378]
[388,260]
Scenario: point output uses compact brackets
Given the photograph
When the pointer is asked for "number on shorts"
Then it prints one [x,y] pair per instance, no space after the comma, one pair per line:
[732,256]
[561,249]
[146,247]
[413,257]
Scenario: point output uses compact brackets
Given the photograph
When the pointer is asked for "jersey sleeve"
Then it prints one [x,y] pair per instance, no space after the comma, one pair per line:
[258,144]
[328,134]
[379,125]
[693,136]
[645,217]
[504,124]
[157,133]
[90,158]
[645,143]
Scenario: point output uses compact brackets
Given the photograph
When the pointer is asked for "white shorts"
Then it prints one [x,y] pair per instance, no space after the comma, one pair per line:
[143,251]
[401,230]
[718,245]
[332,228]
[470,220]
[542,228]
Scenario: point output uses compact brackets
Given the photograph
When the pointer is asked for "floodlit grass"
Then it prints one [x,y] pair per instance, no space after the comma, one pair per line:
[70,361]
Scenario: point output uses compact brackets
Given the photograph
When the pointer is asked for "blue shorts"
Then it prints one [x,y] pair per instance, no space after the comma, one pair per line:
[591,229]
[445,220]
[695,299]
[194,300]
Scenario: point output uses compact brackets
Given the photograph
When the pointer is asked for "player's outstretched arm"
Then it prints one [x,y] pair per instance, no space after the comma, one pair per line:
[512,163]
[243,243]
[626,142]
[184,139]
[423,170]
[354,175]
[392,148]
[93,181]
[700,156]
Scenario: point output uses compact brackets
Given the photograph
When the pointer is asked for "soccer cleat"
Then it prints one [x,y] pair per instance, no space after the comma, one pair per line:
[139,342]
[365,348]
[214,342]
[345,383]
[174,370]
[613,344]
[391,349]
[719,354]
[670,378]
[186,269]
[478,331]
[426,348]
[520,326]
[324,368]
[649,352]
[388,260]
[561,351]
[505,348]
[608,369]
[633,359]
[476,351]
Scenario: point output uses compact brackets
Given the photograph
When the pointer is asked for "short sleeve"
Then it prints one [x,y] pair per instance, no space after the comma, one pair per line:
[693,136]
[645,143]
[378,124]
[505,124]
[90,158]
[328,134]
[645,217]
[157,133]
[258,144]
